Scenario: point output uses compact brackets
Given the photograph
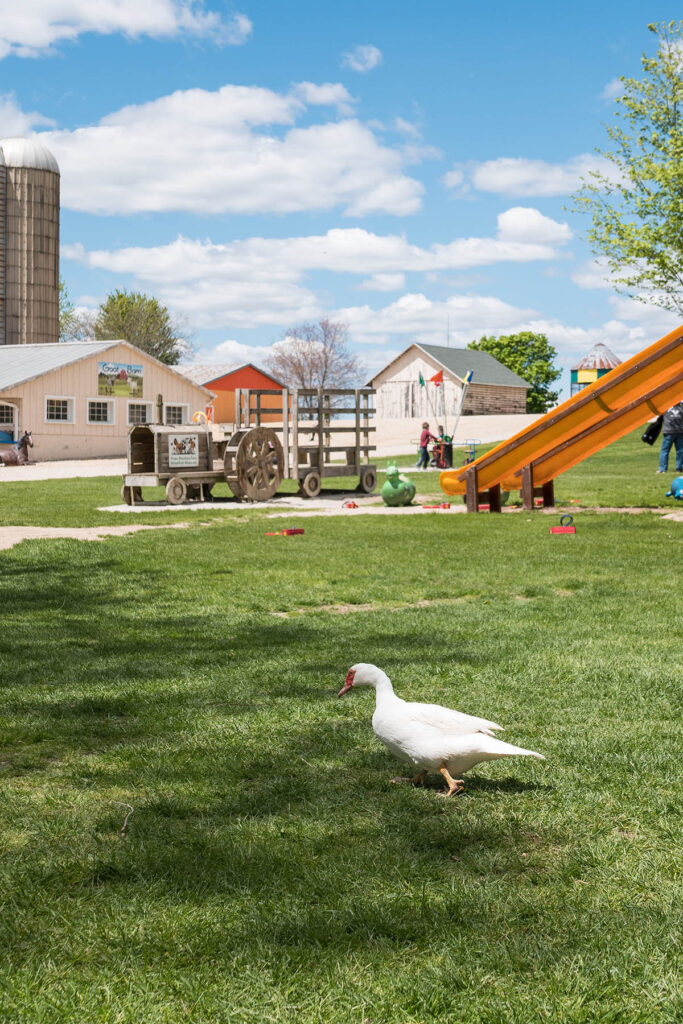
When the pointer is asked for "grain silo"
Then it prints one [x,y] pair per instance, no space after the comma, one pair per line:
[29,243]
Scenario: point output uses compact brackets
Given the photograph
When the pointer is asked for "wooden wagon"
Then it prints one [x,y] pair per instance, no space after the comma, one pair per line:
[325,432]
[251,458]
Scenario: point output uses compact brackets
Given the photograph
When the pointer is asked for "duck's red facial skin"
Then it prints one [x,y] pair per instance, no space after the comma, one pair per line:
[348,683]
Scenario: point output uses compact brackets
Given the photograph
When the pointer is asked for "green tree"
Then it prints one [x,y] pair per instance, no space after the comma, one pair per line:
[69,322]
[637,210]
[144,322]
[531,357]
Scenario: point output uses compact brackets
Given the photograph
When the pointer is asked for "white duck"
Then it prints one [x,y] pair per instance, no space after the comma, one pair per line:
[428,736]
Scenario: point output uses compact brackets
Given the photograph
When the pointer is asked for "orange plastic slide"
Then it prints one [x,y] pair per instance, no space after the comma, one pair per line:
[633,392]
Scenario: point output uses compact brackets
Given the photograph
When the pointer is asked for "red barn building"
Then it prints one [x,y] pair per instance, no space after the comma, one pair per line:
[224,381]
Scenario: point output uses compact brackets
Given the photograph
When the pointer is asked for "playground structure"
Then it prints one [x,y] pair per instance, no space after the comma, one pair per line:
[251,458]
[643,386]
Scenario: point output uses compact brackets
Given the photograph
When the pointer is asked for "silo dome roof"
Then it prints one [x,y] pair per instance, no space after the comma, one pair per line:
[21,152]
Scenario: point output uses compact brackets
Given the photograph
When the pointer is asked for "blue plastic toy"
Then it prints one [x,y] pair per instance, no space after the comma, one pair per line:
[676,490]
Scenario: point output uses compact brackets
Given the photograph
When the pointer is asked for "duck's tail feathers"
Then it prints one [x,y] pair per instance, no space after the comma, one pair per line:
[498,748]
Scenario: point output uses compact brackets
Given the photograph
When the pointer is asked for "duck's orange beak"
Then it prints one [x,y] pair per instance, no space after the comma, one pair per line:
[348,683]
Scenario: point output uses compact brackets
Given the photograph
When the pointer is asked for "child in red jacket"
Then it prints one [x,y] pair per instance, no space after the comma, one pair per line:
[425,438]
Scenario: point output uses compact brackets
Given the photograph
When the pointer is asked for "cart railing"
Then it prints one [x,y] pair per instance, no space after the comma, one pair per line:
[311,411]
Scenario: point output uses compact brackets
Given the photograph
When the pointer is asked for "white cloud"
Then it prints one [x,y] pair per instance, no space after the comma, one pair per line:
[226,151]
[31,28]
[384,283]
[261,280]
[422,319]
[593,274]
[330,94]
[614,88]
[362,58]
[414,317]
[525,224]
[231,351]
[453,179]
[516,176]
[15,121]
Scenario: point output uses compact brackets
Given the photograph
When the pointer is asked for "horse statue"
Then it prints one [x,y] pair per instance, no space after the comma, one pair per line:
[18,456]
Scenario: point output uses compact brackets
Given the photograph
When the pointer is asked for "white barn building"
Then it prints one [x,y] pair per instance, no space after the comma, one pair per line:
[80,399]
[494,389]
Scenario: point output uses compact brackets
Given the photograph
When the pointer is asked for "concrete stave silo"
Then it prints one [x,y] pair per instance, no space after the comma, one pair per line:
[29,243]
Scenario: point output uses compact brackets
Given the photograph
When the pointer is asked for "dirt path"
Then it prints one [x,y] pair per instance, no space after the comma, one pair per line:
[12,535]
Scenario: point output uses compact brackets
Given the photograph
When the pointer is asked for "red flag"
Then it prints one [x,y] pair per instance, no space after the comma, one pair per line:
[437,378]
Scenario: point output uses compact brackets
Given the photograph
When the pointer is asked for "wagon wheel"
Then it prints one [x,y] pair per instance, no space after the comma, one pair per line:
[253,463]
[368,480]
[176,490]
[310,485]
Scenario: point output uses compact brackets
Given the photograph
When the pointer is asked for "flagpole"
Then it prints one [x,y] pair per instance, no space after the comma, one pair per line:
[466,380]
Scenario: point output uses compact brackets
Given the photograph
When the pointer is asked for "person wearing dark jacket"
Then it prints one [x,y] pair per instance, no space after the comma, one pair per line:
[425,438]
[672,436]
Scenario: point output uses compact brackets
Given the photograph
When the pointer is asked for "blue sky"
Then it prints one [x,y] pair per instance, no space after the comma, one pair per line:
[404,168]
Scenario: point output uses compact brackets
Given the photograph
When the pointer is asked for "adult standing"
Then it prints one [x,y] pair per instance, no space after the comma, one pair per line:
[672,436]
[425,438]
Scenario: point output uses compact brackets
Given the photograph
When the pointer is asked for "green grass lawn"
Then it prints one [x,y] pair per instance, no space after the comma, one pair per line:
[621,475]
[269,871]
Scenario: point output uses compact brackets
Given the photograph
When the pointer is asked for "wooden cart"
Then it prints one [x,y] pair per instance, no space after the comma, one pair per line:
[313,419]
[189,462]
[252,458]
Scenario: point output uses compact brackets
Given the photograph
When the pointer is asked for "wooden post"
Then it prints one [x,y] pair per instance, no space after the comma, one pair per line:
[357,399]
[285,430]
[527,487]
[321,437]
[295,433]
[494,498]
[472,492]
[160,410]
[258,409]
[549,494]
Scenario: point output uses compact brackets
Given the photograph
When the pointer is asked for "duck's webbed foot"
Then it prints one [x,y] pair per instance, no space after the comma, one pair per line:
[454,785]
[417,780]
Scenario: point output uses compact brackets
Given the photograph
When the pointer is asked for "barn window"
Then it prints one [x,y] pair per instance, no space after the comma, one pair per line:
[6,415]
[101,410]
[174,415]
[139,412]
[59,410]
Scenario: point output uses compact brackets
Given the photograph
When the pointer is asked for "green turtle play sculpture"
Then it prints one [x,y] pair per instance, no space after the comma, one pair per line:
[397,489]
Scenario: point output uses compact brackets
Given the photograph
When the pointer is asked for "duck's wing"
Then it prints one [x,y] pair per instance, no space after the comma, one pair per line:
[447,720]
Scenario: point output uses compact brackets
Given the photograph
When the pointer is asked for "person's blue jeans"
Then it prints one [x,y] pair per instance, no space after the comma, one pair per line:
[668,442]
[423,459]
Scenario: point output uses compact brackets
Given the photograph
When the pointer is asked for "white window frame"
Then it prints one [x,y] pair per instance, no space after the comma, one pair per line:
[71,409]
[15,417]
[150,411]
[111,402]
[177,405]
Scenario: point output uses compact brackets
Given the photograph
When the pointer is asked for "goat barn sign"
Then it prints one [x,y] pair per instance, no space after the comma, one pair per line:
[124,379]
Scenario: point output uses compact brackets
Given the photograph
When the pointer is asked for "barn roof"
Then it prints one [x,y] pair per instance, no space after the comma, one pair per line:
[599,358]
[458,361]
[22,363]
[205,373]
